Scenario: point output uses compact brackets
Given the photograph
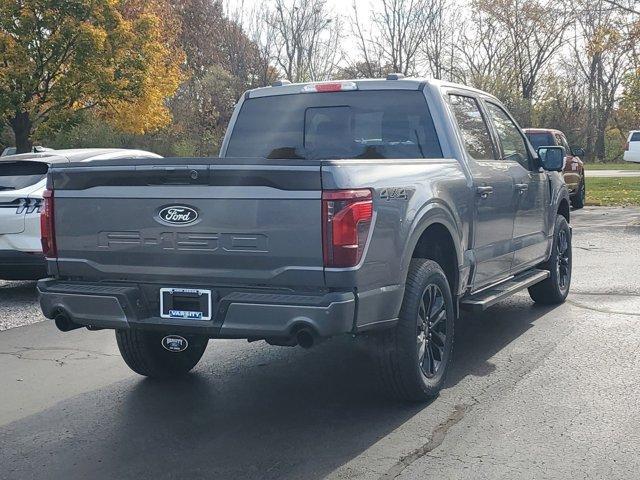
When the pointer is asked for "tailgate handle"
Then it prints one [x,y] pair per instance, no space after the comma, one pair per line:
[177,175]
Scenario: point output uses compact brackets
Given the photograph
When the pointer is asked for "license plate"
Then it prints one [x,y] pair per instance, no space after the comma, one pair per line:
[185,303]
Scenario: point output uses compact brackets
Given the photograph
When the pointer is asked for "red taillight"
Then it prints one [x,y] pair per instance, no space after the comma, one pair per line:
[626,147]
[47,230]
[346,218]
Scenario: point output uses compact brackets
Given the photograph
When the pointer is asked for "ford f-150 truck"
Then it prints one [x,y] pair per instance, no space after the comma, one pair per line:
[379,208]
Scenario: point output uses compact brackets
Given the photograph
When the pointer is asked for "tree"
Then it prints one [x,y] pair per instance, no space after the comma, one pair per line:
[486,56]
[252,36]
[222,61]
[62,57]
[536,31]
[204,108]
[261,34]
[439,45]
[306,39]
[561,104]
[148,112]
[603,46]
[397,33]
[628,117]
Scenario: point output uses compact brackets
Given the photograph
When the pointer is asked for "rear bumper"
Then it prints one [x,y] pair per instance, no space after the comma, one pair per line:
[237,314]
[16,265]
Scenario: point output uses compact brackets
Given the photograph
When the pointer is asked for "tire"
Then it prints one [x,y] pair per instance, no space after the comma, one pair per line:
[143,352]
[406,372]
[577,201]
[554,290]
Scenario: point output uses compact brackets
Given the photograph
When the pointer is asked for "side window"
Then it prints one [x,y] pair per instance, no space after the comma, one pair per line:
[513,144]
[475,132]
[565,144]
[558,140]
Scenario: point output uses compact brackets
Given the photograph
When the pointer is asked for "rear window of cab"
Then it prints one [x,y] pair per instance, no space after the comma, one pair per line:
[369,124]
[542,139]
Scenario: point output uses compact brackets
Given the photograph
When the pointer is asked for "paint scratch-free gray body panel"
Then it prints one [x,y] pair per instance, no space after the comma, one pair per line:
[259,228]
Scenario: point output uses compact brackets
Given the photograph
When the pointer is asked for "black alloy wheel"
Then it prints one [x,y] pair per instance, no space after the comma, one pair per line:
[563,263]
[432,330]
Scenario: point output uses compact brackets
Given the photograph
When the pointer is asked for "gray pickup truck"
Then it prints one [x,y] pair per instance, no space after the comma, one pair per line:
[378,208]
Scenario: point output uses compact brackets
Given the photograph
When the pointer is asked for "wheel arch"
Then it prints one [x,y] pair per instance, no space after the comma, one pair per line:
[436,237]
[564,210]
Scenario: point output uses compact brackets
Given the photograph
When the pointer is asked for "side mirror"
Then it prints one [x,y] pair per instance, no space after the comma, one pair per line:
[551,158]
[577,152]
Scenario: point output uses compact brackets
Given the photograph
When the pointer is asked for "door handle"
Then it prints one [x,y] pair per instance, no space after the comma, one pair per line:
[484,192]
[522,188]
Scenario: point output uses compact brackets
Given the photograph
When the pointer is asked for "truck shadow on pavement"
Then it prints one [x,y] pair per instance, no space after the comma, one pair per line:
[267,413]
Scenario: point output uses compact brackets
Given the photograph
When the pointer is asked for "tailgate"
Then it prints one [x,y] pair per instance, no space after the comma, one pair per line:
[201,221]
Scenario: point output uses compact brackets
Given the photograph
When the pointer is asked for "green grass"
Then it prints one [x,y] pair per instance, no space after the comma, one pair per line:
[612,166]
[613,191]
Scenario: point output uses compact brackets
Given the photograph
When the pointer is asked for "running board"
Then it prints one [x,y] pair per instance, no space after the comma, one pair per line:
[486,298]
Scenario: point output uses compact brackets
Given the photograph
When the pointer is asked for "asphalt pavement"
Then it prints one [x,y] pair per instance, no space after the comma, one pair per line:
[18,304]
[535,392]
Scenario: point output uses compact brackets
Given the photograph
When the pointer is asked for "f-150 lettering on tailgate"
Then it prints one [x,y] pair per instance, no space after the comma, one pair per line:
[210,242]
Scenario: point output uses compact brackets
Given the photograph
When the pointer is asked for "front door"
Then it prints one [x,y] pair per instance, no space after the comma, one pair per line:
[532,191]
[494,195]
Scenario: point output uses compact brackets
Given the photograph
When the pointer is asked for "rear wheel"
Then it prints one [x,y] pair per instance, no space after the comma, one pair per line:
[145,354]
[415,356]
[555,289]
[578,200]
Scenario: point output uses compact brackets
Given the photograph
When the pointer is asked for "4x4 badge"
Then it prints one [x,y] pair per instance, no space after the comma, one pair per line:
[394,193]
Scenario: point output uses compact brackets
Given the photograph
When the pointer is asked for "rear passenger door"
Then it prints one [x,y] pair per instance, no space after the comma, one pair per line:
[531,188]
[493,190]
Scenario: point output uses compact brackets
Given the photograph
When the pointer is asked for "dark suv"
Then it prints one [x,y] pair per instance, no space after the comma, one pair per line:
[573,171]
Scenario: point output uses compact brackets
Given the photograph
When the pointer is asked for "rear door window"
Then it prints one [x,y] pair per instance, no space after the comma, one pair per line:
[19,175]
[635,137]
[359,124]
[474,129]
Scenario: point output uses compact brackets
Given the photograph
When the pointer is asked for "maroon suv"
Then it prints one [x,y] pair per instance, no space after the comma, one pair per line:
[573,166]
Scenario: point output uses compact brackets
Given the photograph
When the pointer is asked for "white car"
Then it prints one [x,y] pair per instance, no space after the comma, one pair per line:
[22,182]
[632,149]
[13,150]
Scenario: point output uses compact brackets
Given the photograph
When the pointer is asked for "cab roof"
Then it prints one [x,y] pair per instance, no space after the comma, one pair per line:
[542,130]
[393,82]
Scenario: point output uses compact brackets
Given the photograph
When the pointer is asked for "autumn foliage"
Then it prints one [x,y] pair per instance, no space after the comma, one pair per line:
[61,57]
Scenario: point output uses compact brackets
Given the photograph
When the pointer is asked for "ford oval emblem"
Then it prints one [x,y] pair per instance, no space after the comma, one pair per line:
[175,343]
[178,215]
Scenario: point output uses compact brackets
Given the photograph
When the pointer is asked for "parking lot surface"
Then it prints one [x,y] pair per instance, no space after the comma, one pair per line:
[535,392]
[18,304]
